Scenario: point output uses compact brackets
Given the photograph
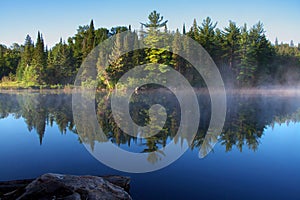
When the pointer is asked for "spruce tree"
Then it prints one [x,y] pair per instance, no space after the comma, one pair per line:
[90,40]
[276,42]
[183,29]
[39,59]
[207,36]
[116,63]
[26,57]
[231,45]
[177,49]
[194,31]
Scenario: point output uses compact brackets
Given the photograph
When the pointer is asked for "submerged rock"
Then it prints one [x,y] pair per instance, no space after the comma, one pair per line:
[69,187]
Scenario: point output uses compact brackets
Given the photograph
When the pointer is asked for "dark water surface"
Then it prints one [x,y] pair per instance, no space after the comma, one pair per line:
[257,155]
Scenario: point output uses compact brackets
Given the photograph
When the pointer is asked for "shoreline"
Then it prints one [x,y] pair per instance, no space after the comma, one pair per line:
[272,90]
[51,185]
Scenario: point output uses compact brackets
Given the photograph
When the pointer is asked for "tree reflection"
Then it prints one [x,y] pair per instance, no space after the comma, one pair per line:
[247,117]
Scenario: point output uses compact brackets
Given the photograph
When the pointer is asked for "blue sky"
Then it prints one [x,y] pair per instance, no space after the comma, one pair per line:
[57,19]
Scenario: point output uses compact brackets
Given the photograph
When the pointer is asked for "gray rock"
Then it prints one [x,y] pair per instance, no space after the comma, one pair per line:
[69,187]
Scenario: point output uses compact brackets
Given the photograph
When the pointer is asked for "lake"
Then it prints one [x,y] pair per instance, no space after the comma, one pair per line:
[257,155]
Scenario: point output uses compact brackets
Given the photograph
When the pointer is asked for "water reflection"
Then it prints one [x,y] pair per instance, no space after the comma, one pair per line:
[247,117]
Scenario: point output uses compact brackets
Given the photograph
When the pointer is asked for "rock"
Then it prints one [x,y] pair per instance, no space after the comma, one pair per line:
[69,187]
[123,181]
[8,186]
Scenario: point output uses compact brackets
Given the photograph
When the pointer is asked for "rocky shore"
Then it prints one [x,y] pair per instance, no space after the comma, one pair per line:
[67,187]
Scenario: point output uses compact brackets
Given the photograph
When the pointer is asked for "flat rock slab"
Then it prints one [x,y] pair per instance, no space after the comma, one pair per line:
[67,187]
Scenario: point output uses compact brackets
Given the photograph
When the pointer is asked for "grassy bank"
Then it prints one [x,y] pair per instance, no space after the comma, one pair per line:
[18,85]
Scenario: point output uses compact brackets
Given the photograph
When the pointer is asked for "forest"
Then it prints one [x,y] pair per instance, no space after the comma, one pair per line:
[243,55]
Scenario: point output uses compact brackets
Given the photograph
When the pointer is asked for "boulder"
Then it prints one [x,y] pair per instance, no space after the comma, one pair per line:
[68,187]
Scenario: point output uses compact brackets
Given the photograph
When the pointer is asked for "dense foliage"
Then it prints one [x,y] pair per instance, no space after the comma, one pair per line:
[244,56]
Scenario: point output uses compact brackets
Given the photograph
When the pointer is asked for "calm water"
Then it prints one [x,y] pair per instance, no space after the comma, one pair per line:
[257,155]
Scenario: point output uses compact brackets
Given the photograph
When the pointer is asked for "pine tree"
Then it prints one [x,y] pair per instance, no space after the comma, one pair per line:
[116,64]
[243,73]
[101,34]
[138,55]
[157,52]
[61,64]
[155,21]
[39,59]
[183,29]
[292,43]
[127,47]
[194,31]
[231,45]
[141,33]
[26,57]
[89,43]
[177,50]
[276,42]
[28,51]
[207,35]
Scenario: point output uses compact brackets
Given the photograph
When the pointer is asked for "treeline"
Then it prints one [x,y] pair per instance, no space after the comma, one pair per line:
[34,64]
[244,56]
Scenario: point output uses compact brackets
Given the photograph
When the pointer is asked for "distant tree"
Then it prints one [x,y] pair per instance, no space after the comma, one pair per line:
[154,40]
[115,69]
[276,42]
[141,33]
[292,43]
[257,61]
[177,49]
[77,44]
[101,34]
[155,21]
[138,55]
[231,45]
[89,40]
[61,64]
[194,31]
[117,29]
[183,29]
[207,35]
[26,57]
[9,60]
[39,59]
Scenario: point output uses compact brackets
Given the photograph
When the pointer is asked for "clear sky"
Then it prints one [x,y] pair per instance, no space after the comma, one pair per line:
[57,19]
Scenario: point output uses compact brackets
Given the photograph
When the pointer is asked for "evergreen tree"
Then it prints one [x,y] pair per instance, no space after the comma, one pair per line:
[78,44]
[194,31]
[39,59]
[242,71]
[155,21]
[276,42]
[2,61]
[183,29]
[9,60]
[26,57]
[231,45]
[292,43]
[61,64]
[142,33]
[138,55]
[115,69]
[207,35]
[101,34]
[89,41]
[28,51]
[177,49]
[157,52]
